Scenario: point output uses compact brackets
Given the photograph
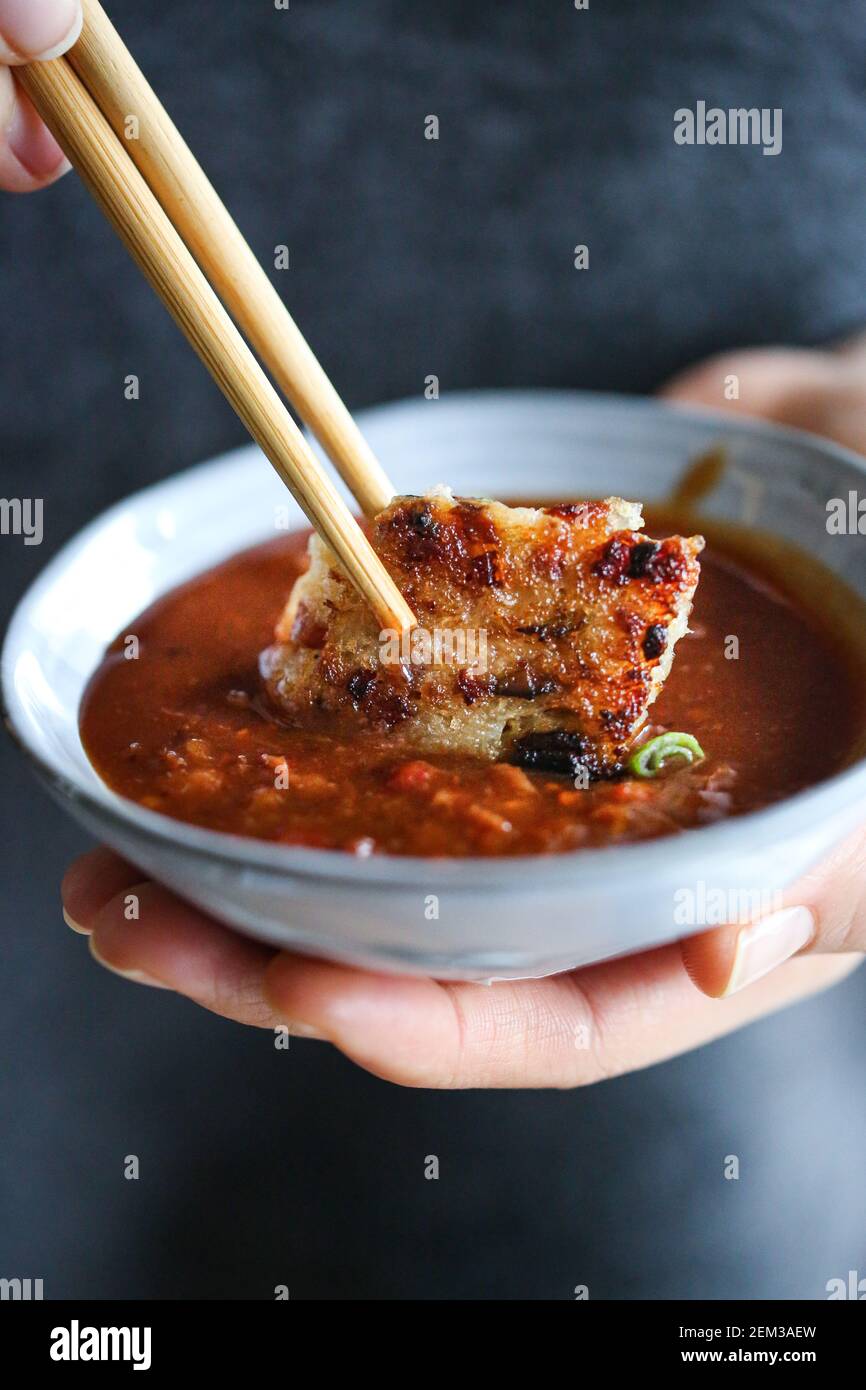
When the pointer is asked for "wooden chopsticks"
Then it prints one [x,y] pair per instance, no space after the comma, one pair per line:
[102,161]
[120,90]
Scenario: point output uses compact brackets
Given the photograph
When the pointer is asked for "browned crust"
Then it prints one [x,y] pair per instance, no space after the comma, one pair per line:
[580,616]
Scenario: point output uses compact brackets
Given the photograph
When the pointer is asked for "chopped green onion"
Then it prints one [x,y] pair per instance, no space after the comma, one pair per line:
[649,759]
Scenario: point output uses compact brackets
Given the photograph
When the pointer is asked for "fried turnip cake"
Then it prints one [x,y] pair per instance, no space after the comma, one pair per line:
[544,634]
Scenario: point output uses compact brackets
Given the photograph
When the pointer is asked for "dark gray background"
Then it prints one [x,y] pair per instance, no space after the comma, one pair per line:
[411,257]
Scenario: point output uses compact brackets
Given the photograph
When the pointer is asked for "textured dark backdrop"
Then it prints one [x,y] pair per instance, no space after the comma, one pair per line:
[410,257]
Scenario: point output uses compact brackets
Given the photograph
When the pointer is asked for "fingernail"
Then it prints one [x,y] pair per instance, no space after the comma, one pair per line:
[761,946]
[39,32]
[73,925]
[303,1030]
[138,977]
[33,145]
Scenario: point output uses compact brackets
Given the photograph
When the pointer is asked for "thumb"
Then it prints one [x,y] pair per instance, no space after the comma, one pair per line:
[30,157]
[825,913]
[37,29]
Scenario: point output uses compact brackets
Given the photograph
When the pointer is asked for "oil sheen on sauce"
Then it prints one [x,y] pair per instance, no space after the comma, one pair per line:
[184,729]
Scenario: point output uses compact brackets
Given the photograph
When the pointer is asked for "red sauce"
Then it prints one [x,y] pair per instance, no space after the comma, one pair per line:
[184,729]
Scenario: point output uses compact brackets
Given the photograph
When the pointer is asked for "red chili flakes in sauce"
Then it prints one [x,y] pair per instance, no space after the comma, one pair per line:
[184,729]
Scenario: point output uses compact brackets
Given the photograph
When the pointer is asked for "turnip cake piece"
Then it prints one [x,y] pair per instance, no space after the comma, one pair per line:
[544,634]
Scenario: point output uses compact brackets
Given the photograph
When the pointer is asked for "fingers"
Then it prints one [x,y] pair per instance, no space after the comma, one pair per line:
[37,29]
[30,157]
[820,391]
[92,881]
[143,932]
[779,383]
[173,945]
[568,1030]
[824,914]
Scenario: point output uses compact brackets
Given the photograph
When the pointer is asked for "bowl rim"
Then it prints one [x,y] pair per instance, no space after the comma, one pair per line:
[583,867]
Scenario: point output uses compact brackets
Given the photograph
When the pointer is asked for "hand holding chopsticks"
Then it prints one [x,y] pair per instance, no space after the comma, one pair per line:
[134,207]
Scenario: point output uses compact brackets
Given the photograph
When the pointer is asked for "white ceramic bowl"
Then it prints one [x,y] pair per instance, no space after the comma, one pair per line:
[496,918]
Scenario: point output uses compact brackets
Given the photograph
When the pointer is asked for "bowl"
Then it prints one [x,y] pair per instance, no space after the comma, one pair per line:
[462,919]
